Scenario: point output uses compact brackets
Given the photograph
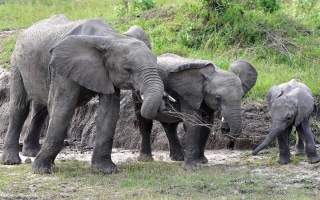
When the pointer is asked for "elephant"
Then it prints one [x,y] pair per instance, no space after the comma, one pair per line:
[31,145]
[198,89]
[58,65]
[290,104]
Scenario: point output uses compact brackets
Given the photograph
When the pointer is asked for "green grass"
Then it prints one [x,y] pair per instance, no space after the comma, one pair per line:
[158,180]
[8,46]
[21,14]
[280,44]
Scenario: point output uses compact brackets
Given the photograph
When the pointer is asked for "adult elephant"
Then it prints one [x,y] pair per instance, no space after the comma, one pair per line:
[39,113]
[290,104]
[61,65]
[200,89]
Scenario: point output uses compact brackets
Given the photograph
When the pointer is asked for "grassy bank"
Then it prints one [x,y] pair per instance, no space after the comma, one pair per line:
[282,44]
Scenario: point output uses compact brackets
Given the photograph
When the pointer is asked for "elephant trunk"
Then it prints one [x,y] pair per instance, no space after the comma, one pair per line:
[234,123]
[152,90]
[270,138]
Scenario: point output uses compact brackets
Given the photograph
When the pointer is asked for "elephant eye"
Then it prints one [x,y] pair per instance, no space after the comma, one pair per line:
[218,98]
[289,118]
[128,68]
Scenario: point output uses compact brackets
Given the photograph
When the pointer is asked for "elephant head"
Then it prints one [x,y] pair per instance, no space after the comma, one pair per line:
[288,105]
[138,33]
[198,80]
[103,61]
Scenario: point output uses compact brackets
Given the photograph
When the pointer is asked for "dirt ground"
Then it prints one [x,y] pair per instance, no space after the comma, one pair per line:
[304,170]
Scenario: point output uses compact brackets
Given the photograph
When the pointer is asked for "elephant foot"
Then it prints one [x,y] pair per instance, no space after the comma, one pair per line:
[145,157]
[10,157]
[31,150]
[300,152]
[190,165]
[46,167]
[283,159]
[107,167]
[202,160]
[313,159]
[177,155]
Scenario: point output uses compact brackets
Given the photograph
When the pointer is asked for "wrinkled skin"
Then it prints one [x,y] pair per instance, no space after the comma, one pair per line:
[290,104]
[200,89]
[60,65]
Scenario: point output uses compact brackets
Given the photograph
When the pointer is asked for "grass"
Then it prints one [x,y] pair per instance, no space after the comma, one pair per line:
[20,13]
[280,45]
[159,180]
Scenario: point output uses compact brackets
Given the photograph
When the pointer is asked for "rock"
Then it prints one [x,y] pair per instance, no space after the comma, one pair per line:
[28,160]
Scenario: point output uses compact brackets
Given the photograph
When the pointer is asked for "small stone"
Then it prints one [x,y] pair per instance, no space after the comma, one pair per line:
[66,143]
[28,160]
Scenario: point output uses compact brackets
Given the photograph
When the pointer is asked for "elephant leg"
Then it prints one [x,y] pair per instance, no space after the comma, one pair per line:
[299,147]
[192,129]
[31,145]
[145,127]
[176,151]
[192,152]
[19,110]
[283,142]
[305,133]
[61,107]
[107,117]
[204,135]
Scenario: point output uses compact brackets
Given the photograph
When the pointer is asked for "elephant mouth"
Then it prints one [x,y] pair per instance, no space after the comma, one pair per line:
[226,130]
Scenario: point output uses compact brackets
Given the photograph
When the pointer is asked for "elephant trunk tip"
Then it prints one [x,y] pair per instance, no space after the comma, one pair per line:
[255,152]
[230,132]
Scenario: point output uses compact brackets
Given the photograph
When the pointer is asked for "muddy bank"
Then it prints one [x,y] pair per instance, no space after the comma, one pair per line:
[82,128]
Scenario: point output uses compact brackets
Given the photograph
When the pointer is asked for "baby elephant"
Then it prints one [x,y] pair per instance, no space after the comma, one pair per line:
[290,105]
[200,89]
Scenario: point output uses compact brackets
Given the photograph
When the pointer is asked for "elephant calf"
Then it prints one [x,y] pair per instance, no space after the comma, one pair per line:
[200,88]
[290,104]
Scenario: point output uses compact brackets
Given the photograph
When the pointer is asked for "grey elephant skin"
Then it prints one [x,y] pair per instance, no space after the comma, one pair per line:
[59,65]
[200,89]
[290,104]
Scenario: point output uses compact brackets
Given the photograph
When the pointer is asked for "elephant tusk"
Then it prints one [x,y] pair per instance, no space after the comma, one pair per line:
[169,97]
[222,119]
[164,94]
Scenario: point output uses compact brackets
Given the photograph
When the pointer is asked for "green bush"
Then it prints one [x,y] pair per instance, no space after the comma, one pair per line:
[142,5]
[132,6]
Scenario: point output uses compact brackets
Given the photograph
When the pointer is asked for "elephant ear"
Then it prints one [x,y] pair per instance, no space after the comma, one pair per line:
[138,33]
[246,72]
[79,58]
[274,93]
[188,81]
[305,105]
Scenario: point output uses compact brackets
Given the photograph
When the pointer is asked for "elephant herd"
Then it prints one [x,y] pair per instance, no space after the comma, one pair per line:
[58,65]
